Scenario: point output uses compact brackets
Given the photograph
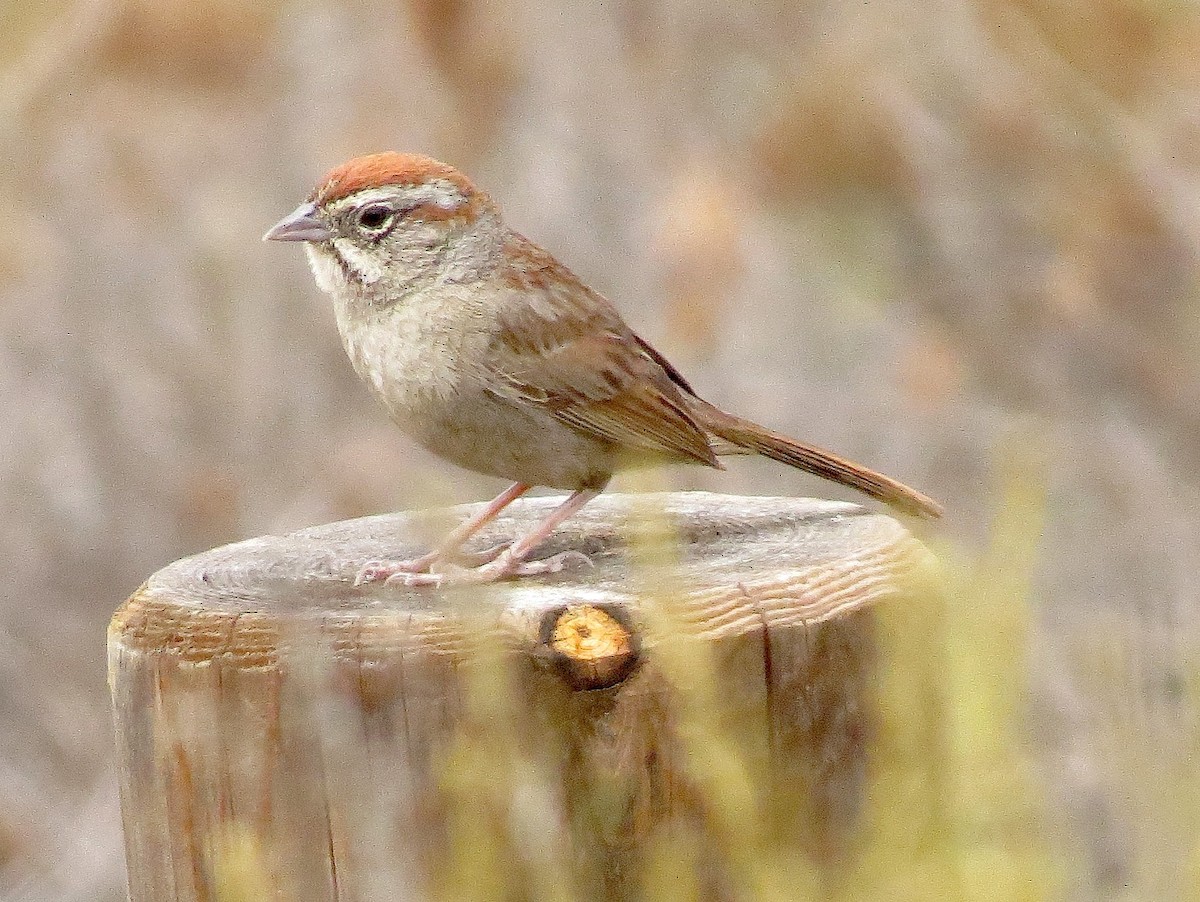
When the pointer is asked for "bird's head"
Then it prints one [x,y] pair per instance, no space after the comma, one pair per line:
[387,223]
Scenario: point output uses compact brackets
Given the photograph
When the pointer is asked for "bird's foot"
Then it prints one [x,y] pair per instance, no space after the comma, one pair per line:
[502,566]
[382,571]
[398,571]
[556,563]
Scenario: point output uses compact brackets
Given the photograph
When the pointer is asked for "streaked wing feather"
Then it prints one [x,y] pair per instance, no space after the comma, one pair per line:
[642,420]
[565,347]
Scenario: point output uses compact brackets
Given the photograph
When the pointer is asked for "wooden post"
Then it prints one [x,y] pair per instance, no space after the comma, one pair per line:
[283,734]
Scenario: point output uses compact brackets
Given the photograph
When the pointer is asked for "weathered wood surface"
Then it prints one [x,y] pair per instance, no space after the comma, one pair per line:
[279,727]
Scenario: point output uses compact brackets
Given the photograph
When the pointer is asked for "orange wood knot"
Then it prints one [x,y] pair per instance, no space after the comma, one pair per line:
[592,646]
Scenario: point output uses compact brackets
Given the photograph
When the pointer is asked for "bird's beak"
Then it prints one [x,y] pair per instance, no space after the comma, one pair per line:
[302,225]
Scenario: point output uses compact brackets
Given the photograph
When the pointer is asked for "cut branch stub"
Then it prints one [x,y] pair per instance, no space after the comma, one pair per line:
[592,646]
[257,690]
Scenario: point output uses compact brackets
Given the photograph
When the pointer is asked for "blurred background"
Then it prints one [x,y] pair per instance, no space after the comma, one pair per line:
[958,241]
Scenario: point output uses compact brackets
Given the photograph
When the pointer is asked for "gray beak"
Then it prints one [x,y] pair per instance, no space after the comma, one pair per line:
[301,225]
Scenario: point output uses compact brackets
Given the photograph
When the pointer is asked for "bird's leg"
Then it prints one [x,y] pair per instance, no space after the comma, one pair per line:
[376,571]
[511,561]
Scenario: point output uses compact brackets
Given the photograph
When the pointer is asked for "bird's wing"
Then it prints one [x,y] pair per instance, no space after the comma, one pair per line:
[560,345]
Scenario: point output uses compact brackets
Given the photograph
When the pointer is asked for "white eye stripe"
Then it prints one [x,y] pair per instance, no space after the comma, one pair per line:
[439,192]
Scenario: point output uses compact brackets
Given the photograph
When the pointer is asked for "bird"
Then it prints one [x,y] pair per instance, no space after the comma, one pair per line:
[492,354]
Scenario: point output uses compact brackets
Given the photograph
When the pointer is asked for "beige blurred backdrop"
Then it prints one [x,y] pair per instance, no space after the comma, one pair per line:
[957,241]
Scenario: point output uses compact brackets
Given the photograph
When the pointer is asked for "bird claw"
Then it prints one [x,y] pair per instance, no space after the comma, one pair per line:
[392,573]
[500,566]
[385,571]
[414,580]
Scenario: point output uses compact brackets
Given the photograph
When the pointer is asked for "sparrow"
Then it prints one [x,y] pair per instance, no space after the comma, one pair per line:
[490,353]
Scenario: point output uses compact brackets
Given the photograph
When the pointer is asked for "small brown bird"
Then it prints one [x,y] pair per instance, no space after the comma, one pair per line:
[492,354]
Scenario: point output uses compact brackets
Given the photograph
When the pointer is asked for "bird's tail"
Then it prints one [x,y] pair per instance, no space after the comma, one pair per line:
[759,440]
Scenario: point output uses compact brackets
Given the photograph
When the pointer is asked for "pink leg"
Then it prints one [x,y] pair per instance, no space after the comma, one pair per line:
[375,571]
[511,561]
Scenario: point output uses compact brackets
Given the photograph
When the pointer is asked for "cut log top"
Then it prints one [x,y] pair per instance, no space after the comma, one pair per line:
[743,563]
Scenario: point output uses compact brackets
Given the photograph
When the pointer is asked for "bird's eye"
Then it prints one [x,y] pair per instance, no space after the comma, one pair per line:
[375,218]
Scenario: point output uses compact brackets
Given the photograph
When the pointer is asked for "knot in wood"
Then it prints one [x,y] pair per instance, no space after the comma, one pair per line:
[592,646]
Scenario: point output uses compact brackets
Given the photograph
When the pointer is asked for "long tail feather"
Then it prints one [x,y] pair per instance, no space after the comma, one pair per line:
[812,459]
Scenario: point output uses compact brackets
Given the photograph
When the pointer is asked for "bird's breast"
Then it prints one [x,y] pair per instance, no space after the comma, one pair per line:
[432,367]
[411,356]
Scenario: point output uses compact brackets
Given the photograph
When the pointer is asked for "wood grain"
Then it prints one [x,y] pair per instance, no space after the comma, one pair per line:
[275,723]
